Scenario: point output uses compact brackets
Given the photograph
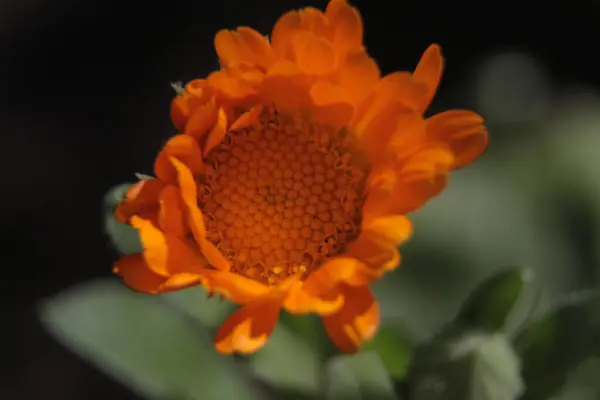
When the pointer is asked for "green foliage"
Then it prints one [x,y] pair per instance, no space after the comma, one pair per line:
[491,303]
[358,376]
[554,344]
[123,237]
[143,344]
[465,365]
[288,362]
[469,359]
[394,347]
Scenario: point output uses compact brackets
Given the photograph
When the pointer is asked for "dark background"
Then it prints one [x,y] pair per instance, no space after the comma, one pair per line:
[85,95]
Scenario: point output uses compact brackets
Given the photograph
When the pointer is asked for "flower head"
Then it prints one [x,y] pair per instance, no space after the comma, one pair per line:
[290,180]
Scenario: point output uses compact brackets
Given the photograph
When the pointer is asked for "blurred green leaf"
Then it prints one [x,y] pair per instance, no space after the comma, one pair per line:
[582,383]
[358,376]
[465,365]
[288,362]
[195,303]
[123,237]
[143,343]
[554,344]
[394,347]
[490,304]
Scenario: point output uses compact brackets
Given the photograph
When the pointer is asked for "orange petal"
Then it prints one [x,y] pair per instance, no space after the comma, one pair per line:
[216,135]
[410,136]
[171,215]
[359,74]
[314,21]
[235,287]
[375,135]
[247,119]
[429,72]
[233,87]
[201,120]
[332,104]
[347,26]
[314,56]
[196,94]
[356,322]
[323,282]
[243,46]
[376,246]
[248,328]
[284,30]
[302,301]
[391,229]
[286,87]
[196,219]
[166,254]
[189,195]
[463,131]
[185,149]
[396,88]
[138,276]
[141,199]
[410,184]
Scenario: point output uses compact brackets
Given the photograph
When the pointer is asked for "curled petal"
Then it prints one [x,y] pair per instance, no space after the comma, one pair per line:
[464,133]
[217,133]
[137,276]
[429,72]
[171,215]
[166,254]
[201,120]
[302,301]
[377,244]
[323,282]
[184,148]
[248,328]
[233,286]
[197,93]
[247,119]
[141,199]
[356,322]
[196,219]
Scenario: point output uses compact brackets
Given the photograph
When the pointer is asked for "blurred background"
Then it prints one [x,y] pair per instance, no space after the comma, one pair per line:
[85,94]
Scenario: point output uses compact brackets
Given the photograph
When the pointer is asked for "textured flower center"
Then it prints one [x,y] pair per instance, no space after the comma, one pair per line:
[283,196]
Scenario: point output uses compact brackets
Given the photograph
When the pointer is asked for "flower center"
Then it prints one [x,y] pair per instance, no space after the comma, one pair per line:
[283,196]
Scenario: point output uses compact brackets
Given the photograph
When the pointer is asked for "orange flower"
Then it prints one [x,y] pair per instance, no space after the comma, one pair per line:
[289,183]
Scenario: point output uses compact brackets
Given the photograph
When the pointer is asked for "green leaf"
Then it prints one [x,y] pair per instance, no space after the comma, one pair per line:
[490,304]
[582,383]
[394,348]
[555,343]
[143,343]
[288,362]
[123,237]
[465,365]
[195,303]
[358,376]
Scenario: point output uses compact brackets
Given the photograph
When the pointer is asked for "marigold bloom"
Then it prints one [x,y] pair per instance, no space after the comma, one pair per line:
[289,183]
